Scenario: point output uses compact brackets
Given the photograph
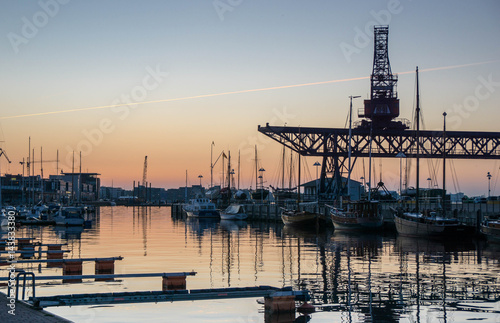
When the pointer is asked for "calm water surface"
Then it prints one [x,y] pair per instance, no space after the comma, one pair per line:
[352,278]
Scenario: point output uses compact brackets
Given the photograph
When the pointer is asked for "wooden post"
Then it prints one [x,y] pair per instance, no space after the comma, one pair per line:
[173,283]
[278,304]
[72,267]
[104,267]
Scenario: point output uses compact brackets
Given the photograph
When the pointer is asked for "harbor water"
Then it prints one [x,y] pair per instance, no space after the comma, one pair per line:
[351,277]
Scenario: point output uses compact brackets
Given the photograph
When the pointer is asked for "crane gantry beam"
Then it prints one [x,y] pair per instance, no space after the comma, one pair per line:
[387,143]
[332,145]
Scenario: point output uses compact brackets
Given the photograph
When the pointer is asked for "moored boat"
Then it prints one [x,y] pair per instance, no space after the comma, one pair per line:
[302,218]
[201,208]
[357,216]
[491,229]
[234,212]
[418,224]
[69,216]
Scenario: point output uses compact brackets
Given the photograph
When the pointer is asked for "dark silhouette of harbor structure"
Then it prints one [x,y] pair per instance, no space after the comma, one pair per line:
[381,130]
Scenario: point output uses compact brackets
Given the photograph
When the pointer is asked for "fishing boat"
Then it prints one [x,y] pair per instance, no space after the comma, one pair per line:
[357,216]
[69,216]
[234,212]
[302,218]
[491,229]
[201,208]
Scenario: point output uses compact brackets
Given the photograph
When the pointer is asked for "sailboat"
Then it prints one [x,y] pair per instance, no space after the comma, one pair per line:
[260,194]
[357,215]
[302,218]
[423,224]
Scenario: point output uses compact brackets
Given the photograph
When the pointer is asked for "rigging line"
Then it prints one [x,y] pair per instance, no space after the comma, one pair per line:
[496,177]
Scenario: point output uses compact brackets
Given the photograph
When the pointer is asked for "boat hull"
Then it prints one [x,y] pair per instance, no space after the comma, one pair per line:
[492,232]
[302,219]
[356,223]
[69,222]
[422,228]
[230,216]
[208,214]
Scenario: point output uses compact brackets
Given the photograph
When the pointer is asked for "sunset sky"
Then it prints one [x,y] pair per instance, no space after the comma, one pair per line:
[211,71]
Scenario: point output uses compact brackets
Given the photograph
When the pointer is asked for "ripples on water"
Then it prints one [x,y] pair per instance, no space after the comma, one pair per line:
[352,278]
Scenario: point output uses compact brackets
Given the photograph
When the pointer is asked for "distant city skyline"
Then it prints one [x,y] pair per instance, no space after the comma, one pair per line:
[122,80]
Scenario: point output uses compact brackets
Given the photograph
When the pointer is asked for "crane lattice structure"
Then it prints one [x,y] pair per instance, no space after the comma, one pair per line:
[387,134]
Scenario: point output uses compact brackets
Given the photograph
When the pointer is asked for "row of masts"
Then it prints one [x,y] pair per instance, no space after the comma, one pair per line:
[29,186]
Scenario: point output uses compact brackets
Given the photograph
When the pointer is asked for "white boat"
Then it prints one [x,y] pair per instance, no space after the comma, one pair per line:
[417,224]
[357,216]
[69,216]
[234,212]
[201,208]
[491,229]
[4,221]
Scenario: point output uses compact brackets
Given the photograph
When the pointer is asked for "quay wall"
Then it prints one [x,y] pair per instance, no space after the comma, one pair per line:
[468,213]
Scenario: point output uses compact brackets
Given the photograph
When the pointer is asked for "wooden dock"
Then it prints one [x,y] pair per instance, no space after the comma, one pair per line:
[25,312]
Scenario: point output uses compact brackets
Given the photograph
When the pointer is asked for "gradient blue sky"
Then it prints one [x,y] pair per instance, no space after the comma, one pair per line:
[84,54]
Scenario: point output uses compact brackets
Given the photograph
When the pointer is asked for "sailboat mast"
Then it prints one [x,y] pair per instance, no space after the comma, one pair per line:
[444,162]
[418,145]
[298,185]
[229,171]
[256,171]
[41,172]
[283,170]
[291,170]
[239,155]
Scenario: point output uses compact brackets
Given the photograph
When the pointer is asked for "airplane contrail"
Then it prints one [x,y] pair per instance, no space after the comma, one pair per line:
[235,92]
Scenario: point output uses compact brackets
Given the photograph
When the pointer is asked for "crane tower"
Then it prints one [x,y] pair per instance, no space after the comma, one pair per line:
[383,106]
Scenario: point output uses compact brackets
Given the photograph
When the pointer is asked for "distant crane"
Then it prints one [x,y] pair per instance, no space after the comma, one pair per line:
[2,153]
[28,163]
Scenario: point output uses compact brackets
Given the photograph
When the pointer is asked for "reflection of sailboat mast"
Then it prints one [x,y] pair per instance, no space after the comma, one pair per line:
[444,287]
[418,283]
[349,301]
[140,212]
[211,258]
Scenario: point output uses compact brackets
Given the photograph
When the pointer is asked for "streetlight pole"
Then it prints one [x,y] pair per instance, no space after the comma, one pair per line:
[211,165]
[349,148]
[489,180]
[200,177]
[262,170]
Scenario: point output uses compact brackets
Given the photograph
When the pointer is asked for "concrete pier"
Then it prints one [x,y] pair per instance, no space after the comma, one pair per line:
[26,313]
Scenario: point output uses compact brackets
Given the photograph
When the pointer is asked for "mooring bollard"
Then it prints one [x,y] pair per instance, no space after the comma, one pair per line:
[173,283]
